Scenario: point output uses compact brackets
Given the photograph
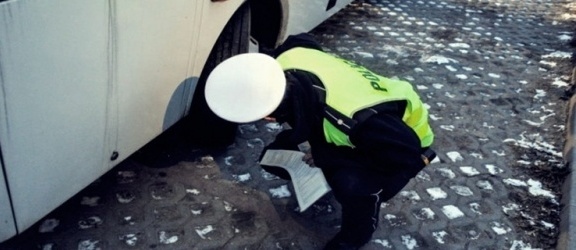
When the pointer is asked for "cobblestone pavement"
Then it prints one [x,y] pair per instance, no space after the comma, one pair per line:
[494,75]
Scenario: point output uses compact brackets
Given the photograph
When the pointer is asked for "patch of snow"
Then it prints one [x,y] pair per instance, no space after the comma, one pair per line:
[255,142]
[469,171]
[383,243]
[535,124]
[450,68]
[559,54]
[243,177]
[540,94]
[89,245]
[475,207]
[477,155]
[534,187]
[129,239]
[459,45]
[547,224]
[448,173]
[389,217]
[423,175]
[437,85]
[523,162]
[273,127]
[165,238]
[193,191]
[535,142]
[454,156]
[462,190]
[268,176]
[515,182]
[548,63]
[447,127]
[409,242]
[202,232]
[452,212]
[500,229]
[510,207]
[435,117]
[436,193]
[520,245]
[438,59]
[364,54]
[412,195]
[229,160]
[439,236]
[493,170]
[484,184]
[564,37]
[537,190]
[425,213]
[498,153]
[558,82]
[228,207]
[280,192]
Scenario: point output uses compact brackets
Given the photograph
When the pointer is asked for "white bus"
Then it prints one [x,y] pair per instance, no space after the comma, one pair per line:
[85,84]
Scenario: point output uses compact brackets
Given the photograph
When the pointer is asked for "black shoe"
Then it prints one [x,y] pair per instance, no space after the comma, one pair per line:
[337,243]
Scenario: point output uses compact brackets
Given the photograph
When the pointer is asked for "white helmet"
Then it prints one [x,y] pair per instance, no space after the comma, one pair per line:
[245,87]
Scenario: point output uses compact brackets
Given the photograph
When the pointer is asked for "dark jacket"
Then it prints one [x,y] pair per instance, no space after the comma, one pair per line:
[383,142]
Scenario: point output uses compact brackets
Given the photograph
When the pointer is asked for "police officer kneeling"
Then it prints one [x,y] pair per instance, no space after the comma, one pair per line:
[369,134]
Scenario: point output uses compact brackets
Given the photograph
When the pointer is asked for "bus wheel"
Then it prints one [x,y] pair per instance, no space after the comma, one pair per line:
[205,128]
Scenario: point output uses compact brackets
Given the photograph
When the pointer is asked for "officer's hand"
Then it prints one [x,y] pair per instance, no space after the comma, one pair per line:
[308,159]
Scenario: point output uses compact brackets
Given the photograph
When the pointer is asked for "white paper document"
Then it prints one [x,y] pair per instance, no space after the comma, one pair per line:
[309,182]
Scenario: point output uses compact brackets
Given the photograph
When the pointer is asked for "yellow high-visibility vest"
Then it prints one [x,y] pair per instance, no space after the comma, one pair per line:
[351,88]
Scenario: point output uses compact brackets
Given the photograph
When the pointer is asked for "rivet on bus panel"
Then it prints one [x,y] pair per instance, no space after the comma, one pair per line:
[114,156]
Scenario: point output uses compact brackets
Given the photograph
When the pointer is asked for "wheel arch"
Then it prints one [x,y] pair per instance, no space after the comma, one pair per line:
[268,21]
[261,20]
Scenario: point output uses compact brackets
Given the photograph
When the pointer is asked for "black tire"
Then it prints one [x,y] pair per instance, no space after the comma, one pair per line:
[201,128]
[205,128]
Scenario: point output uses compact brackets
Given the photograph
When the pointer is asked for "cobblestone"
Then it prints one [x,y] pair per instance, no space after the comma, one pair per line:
[493,75]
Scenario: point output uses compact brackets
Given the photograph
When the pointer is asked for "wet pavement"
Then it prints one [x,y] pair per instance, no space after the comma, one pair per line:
[494,75]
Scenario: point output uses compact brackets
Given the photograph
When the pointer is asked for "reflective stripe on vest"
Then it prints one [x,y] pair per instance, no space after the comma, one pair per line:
[351,88]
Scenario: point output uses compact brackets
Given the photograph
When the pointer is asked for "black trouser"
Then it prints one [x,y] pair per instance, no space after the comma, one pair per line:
[359,189]
[360,192]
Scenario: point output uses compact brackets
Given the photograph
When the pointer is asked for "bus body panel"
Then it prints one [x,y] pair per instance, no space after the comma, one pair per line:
[54,133]
[7,226]
[155,50]
[304,15]
[77,103]
[84,84]
[211,24]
